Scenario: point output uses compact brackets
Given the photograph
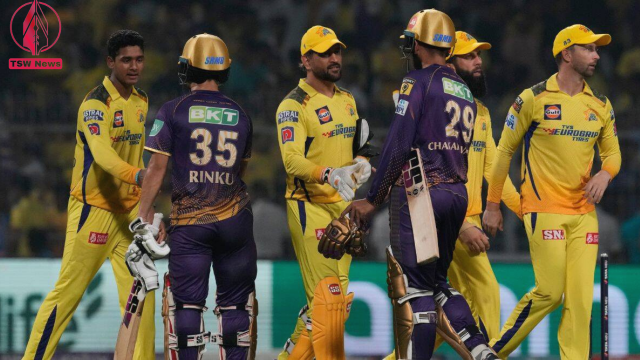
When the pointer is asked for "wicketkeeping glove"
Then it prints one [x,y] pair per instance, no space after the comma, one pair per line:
[365,172]
[344,179]
[341,236]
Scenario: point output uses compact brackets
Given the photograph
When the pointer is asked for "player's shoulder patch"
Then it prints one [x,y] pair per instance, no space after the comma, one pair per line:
[143,95]
[539,88]
[600,96]
[99,93]
[297,94]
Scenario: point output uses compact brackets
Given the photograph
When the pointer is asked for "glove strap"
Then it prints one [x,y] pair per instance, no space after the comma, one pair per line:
[325,174]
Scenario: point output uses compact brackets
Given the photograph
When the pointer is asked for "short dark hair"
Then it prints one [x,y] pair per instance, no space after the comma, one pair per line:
[443,51]
[123,38]
[559,56]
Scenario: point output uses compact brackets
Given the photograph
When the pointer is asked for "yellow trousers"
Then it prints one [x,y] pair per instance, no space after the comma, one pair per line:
[563,250]
[307,222]
[93,235]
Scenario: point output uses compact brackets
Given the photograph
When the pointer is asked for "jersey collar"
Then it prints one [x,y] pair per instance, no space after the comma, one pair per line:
[113,92]
[552,85]
[311,91]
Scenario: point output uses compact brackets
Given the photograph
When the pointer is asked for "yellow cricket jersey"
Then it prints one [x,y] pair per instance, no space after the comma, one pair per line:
[559,132]
[109,146]
[481,155]
[315,132]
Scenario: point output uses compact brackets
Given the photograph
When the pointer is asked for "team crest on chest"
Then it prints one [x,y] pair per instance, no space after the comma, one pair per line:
[118,119]
[590,115]
[324,116]
[350,110]
[140,115]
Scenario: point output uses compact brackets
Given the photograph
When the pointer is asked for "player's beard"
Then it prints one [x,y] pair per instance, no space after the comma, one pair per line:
[326,75]
[477,84]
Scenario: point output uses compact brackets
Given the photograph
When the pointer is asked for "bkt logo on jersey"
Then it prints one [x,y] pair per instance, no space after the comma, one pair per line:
[324,115]
[553,234]
[214,60]
[213,115]
[553,112]
[334,289]
[118,119]
[442,38]
[457,89]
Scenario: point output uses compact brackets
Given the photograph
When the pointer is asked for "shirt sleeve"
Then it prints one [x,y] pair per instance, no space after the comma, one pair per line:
[246,155]
[608,144]
[292,136]
[515,127]
[161,134]
[94,123]
[397,144]
[510,195]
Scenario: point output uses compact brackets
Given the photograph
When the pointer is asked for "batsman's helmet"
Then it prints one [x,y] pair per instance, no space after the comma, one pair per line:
[431,27]
[204,57]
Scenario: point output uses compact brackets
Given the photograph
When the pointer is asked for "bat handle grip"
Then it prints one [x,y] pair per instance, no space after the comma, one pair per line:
[157,219]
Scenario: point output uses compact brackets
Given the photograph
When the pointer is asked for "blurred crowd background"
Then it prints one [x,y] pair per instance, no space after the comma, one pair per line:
[39,108]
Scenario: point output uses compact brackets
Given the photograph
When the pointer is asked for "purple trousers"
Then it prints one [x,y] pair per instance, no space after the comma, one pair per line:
[450,206]
[229,248]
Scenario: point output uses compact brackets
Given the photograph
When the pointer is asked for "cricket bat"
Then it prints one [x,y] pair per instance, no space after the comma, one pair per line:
[128,333]
[425,234]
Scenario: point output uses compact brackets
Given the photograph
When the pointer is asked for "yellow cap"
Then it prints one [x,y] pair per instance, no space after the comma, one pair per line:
[206,52]
[318,39]
[578,34]
[432,27]
[465,43]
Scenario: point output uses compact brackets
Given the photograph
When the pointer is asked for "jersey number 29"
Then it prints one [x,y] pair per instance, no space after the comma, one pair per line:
[204,138]
[468,117]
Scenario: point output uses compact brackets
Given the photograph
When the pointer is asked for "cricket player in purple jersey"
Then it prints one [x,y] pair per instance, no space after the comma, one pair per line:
[207,136]
[433,128]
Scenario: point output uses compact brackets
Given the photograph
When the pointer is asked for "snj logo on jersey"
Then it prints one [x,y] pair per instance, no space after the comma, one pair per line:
[36,35]
[553,112]
[324,115]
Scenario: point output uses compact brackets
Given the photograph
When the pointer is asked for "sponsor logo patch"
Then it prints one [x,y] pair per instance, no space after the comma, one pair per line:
[517,104]
[132,138]
[613,115]
[214,60]
[412,22]
[157,126]
[324,115]
[98,238]
[556,234]
[575,134]
[511,121]
[287,134]
[457,89]
[118,119]
[319,233]
[407,86]
[592,238]
[346,131]
[442,38]
[94,129]
[401,109]
[334,289]
[213,115]
[287,116]
[553,112]
[93,115]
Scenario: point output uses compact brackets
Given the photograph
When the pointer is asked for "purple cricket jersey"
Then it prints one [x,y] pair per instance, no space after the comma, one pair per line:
[435,113]
[207,136]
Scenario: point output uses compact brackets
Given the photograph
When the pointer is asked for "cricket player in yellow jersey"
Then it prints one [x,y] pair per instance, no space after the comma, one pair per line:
[105,189]
[470,271]
[561,120]
[317,127]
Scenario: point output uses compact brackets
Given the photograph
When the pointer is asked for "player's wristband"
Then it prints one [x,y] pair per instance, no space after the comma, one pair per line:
[325,174]
[137,177]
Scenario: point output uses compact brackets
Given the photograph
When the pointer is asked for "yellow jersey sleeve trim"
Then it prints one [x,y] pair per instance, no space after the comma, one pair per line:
[166,153]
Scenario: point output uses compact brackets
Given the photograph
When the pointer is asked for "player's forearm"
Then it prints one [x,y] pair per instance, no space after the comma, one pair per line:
[151,186]
[109,160]
[498,175]
[612,163]
[511,197]
[302,168]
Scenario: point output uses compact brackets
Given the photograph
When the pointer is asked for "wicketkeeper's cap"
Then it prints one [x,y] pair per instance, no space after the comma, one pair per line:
[319,39]
[465,43]
[578,34]
[432,27]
